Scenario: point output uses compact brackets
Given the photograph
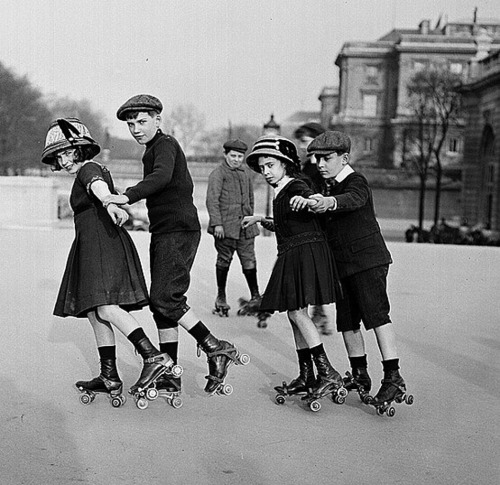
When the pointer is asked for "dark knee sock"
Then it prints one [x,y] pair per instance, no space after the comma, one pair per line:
[107,352]
[136,336]
[199,332]
[358,362]
[170,348]
[392,364]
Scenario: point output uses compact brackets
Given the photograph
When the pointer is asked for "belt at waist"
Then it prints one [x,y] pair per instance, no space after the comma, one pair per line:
[299,239]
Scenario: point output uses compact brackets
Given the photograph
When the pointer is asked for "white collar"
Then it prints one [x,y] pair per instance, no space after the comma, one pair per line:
[281,184]
[342,175]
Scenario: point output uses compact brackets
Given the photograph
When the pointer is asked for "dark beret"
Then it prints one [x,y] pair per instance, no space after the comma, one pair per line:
[329,142]
[140,102]
[236,145]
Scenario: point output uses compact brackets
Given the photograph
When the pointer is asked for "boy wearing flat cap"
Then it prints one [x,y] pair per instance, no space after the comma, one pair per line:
[230,198]
[175,230]
[363,261]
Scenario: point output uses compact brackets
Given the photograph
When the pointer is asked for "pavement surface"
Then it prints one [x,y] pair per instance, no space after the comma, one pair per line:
[446,309]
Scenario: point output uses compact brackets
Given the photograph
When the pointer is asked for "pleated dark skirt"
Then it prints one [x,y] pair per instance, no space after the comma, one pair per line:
[103,268]
[302,276]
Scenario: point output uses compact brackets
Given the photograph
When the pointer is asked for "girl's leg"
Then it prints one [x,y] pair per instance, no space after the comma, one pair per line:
[305,325]
[155,362]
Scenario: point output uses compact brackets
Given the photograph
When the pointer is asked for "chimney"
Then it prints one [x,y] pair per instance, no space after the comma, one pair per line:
[424,26]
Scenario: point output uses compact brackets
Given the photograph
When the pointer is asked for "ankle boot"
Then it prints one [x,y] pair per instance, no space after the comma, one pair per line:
[328,378]
[220,355]
[155,364]
[393,386]
[108,380]
[359,380]
[306,378]
[253,286]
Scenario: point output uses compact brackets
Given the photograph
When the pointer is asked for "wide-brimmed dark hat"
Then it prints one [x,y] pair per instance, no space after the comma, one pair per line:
[330,142]
[273,146]
[139,102]
[236,145]
[67,133]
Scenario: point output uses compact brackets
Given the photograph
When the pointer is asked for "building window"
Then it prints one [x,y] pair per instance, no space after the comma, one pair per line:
[454,145]
[456,67]
[370,105]
[369,145]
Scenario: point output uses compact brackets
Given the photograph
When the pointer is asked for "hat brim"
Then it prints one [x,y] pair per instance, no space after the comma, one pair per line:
[122,114]
[48,155]
[252,158]
[322,153]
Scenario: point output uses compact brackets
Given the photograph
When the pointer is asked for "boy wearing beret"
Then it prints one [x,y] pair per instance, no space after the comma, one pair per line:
[363,261]
[230,198]
[175,230]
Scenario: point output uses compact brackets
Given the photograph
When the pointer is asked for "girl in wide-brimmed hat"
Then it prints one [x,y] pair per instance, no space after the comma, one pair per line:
[304,272]
[103,279]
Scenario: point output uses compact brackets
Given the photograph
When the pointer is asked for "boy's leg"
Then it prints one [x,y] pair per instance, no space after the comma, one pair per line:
[246,253]
[225,250]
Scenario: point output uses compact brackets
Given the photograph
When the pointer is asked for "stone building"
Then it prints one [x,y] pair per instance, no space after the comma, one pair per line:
[373,78]
[481,161]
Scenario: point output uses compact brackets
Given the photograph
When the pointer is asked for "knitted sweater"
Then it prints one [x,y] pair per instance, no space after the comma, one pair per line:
[167,187]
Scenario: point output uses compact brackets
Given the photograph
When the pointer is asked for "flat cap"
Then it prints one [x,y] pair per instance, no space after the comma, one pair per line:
[140,102]
[236,145]
[329,142]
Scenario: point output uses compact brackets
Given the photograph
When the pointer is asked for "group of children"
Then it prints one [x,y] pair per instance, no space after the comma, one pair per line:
[330,249]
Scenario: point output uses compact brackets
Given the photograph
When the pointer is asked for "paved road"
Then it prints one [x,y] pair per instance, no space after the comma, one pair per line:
[446,306]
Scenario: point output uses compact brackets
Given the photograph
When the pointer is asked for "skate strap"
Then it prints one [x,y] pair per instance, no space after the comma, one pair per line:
[215,379]
[159,359]
[401,388]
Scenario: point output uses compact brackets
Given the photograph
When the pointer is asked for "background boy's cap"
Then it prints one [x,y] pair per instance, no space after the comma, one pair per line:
[140,102]
[236,145]
[309,129]
[329,142]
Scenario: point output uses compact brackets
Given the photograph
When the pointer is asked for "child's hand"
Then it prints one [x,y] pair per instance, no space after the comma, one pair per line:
[118,215]
[297,203]
[322,203]
[115,199]
[248,221]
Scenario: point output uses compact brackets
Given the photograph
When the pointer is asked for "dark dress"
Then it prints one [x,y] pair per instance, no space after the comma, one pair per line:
[103,266]
[304,273]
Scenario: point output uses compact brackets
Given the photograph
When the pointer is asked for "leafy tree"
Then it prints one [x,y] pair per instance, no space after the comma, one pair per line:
[24,119]
[434,103]
[185,122]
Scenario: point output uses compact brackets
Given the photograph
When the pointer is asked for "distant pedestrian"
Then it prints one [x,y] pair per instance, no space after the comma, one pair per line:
[175,230]
[230,198]
[103,279]
[303,274]
[362,260]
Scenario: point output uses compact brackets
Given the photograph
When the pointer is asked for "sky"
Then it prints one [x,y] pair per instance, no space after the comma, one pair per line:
[236,61]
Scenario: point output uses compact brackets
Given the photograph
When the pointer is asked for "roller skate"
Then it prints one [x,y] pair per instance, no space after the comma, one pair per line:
[220,355]
[360,382]
[252,308]
[393,389]
[298,386]
[328,383]
[169,387]
[221,306]
[107,382]
[155,364]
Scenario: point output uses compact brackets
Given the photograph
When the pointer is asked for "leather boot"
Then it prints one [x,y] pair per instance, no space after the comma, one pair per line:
[360,380]
[107,381]
[393,386]
[253,286]
[306,378]
[155,364]
[220,355]
[328,378]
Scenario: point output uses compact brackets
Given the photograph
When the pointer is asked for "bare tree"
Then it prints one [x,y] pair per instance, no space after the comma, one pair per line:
[185,123]
[24,119]
[434,103]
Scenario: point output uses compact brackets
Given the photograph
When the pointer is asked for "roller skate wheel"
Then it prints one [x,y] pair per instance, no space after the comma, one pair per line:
[262,324]
[116,402]
[342,392]
[152,393]
[86,399]
[227,389]
[177,370]
[380,411]
[244,359]
[279,399]
[141,403]
[315,406]
[366,399]
[409,399]
[339,399]
[390,412]
[176,402]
